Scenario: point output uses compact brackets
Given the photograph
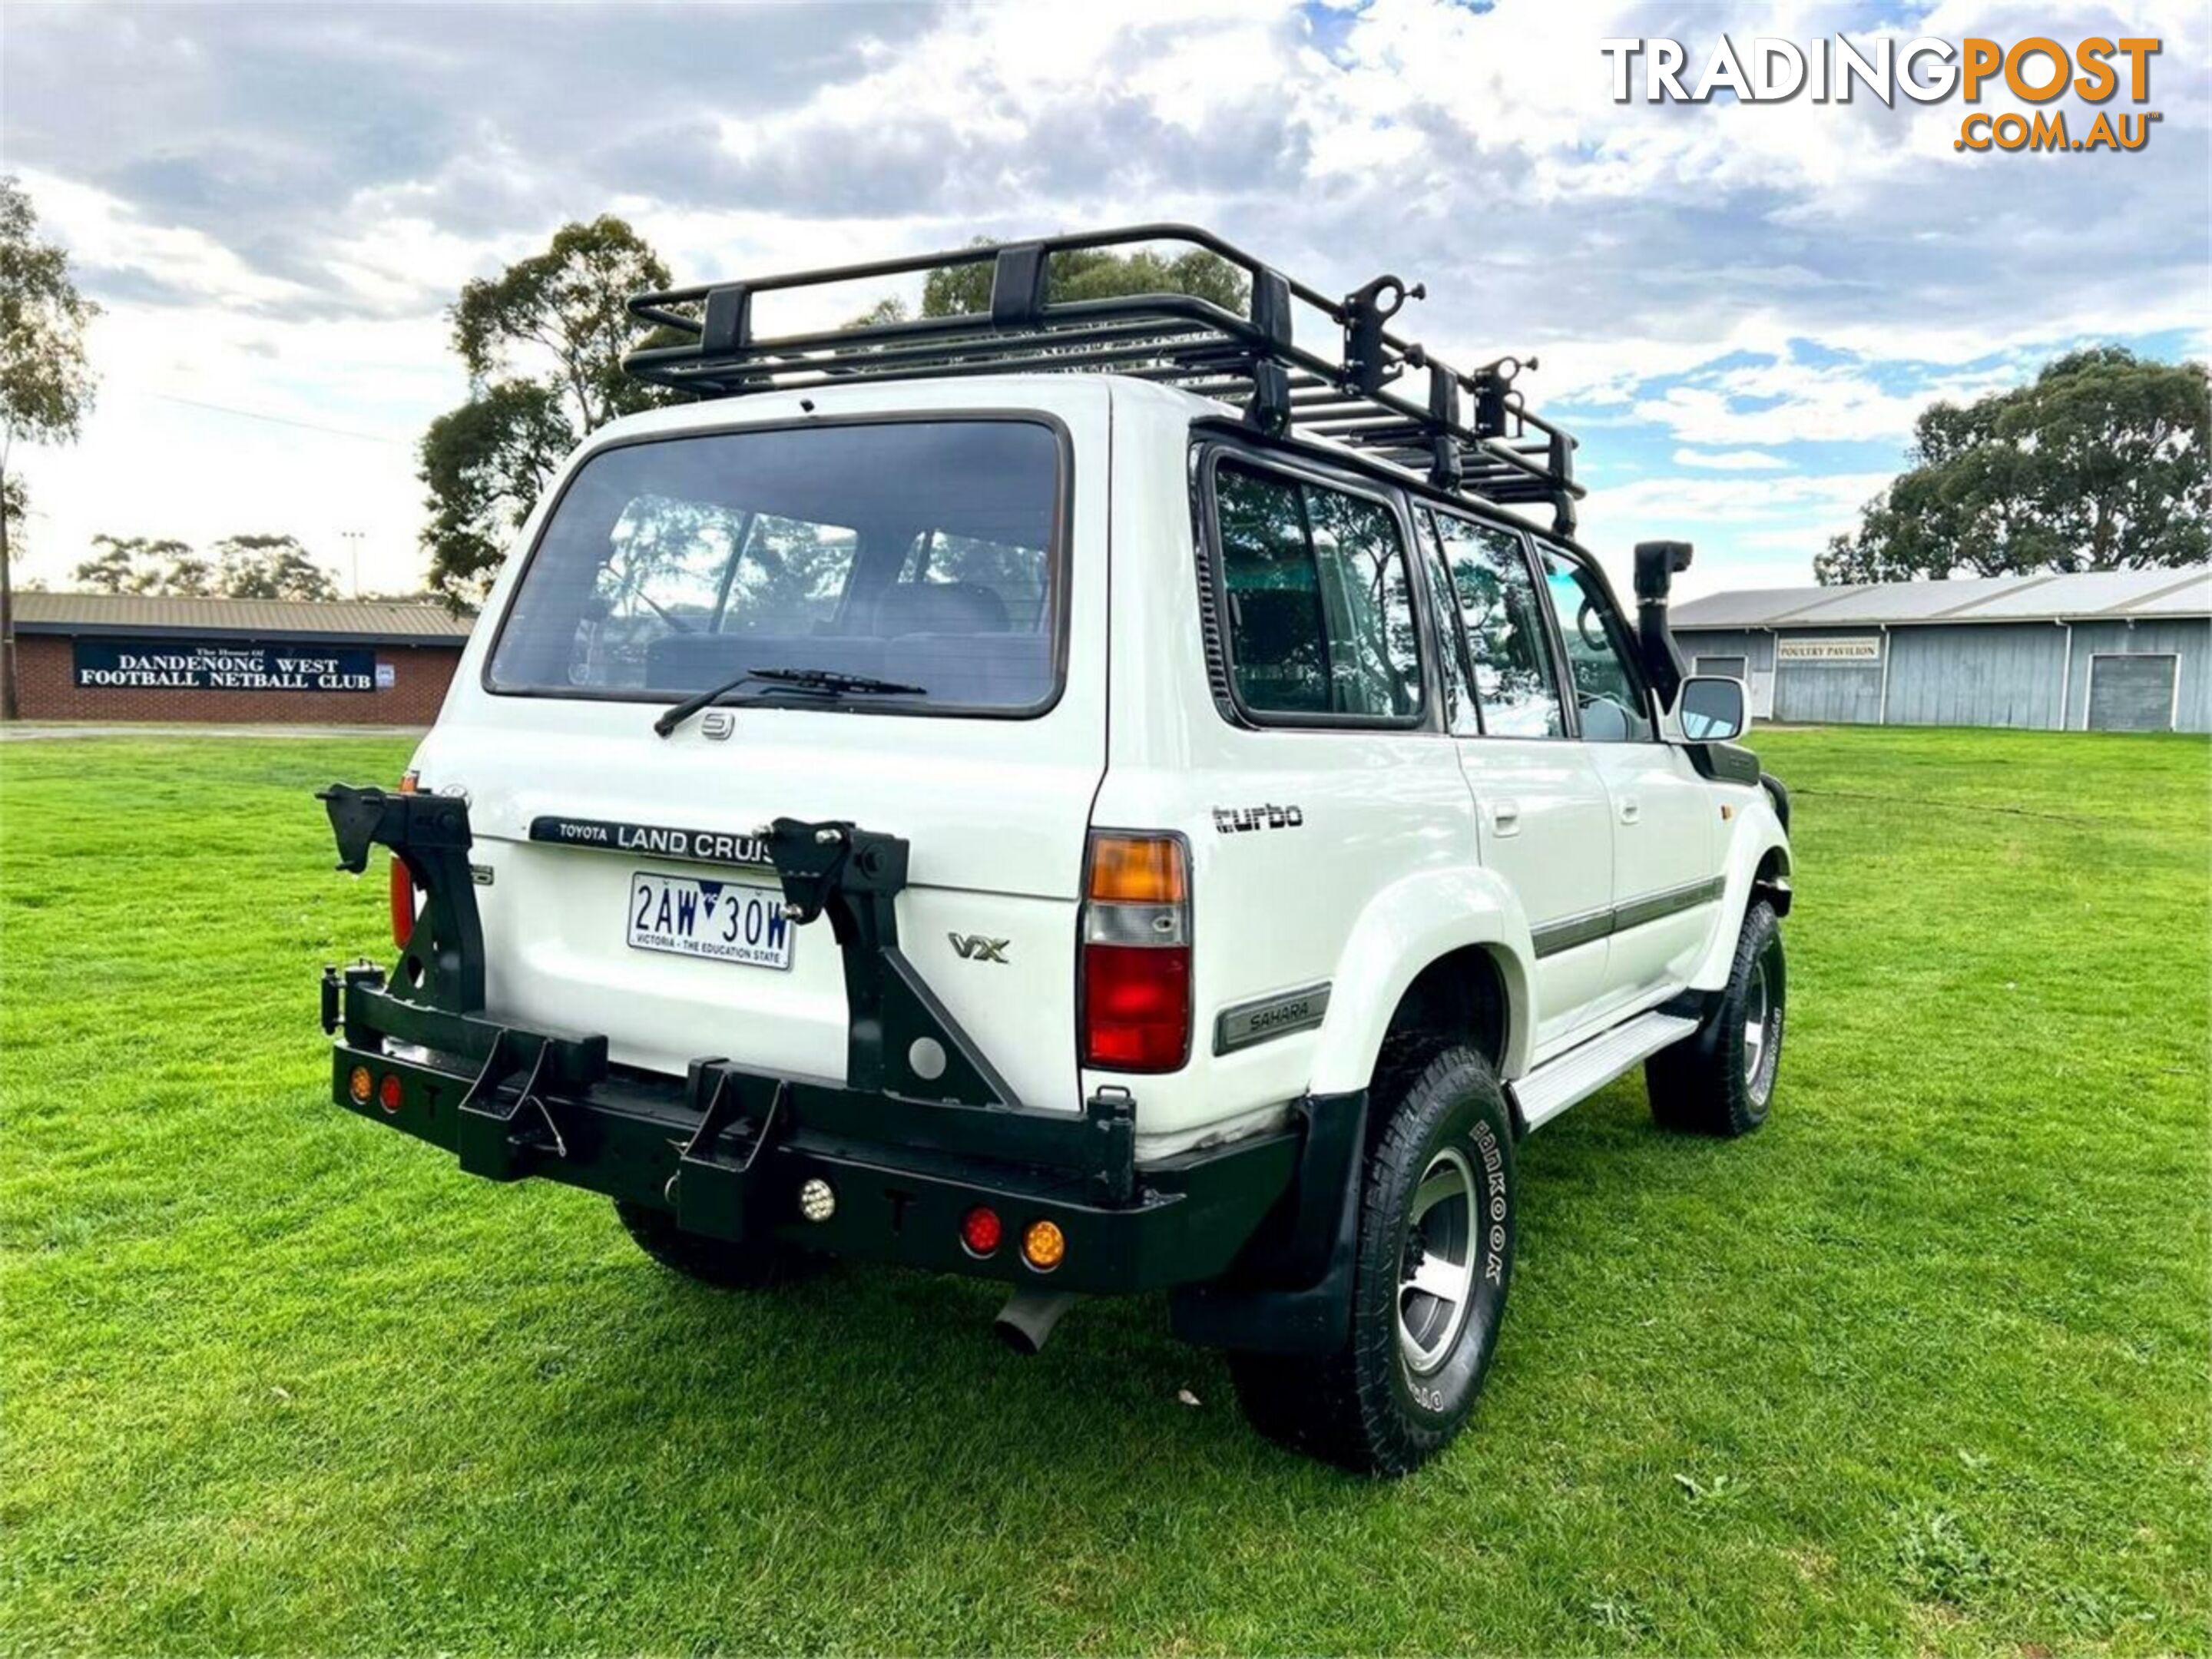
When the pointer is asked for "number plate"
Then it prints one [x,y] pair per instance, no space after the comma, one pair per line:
[721,921]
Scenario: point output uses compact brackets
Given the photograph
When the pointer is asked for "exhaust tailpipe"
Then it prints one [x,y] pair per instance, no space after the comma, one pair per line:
[1025,1324]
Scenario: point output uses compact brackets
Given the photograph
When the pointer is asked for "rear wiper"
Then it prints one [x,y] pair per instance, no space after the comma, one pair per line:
[820,682]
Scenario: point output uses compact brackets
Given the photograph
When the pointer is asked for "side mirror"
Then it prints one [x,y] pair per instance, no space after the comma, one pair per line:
[1712,709]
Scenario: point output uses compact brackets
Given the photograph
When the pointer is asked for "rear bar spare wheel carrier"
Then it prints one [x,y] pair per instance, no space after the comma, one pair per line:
[915,1078]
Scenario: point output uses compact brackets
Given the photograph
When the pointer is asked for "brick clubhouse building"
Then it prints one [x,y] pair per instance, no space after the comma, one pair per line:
[134,657]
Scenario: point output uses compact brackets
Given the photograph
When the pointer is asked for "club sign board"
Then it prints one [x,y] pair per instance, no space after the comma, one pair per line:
[125,665]
[1847,651]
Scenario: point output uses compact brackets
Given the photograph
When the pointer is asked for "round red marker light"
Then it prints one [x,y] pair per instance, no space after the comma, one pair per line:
[388,1092]
[980,1231]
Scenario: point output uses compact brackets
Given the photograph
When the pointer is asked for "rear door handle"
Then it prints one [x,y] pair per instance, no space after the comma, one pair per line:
[1631,810]
[1505,817]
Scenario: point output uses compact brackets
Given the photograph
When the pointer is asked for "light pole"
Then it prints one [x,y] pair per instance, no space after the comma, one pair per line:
[352,540]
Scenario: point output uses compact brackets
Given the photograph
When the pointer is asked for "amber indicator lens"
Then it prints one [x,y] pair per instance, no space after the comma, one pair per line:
[1137,870]
[401,891]
[360,1085]
[1044,1247]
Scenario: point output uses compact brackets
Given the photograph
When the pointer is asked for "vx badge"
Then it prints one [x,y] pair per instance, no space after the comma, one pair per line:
[973,947]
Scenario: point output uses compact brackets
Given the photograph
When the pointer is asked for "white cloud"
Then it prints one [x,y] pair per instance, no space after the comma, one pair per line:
[1790,401]
[102,232]
[1726,518]
[212,419]
[1729,460]
[1798,498]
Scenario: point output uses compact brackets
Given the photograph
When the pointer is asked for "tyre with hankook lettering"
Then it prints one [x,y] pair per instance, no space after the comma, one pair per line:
[1435,1256]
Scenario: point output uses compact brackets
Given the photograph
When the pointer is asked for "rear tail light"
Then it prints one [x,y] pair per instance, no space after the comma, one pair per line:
[980,1230]
[1136,953]
[403,883]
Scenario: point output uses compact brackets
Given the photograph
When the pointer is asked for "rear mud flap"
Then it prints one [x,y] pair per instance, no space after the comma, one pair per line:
[1290,1290]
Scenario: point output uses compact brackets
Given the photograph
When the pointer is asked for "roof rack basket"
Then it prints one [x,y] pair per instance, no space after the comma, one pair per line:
[1466,433]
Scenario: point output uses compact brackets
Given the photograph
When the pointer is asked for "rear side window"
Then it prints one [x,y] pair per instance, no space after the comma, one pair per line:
[1320,612]
[1503,618]
[922,553]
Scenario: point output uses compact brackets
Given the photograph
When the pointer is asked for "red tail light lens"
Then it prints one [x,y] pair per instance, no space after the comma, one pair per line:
[980,1230]
[1136,953]
[403,886]
[1136,1007]
[402,902]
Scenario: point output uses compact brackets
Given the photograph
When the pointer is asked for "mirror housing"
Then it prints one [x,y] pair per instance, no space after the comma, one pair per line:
[1712,710]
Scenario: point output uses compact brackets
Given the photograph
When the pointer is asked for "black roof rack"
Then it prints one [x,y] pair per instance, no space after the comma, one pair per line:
[1467,432]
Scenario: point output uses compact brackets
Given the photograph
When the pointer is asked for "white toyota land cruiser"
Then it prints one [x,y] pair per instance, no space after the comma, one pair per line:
[1171,826]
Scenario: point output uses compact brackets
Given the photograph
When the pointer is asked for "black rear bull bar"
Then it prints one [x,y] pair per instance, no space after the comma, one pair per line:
[923,1118]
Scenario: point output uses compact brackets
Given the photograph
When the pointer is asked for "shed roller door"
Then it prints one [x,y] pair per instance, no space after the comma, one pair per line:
[2131,693]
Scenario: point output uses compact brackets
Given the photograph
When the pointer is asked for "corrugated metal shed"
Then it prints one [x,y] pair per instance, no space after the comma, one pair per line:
[161,616]
[2117,650]
[2114,594]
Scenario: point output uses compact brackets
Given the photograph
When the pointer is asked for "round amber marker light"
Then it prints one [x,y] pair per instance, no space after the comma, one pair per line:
[360,1086]
[1043,1246]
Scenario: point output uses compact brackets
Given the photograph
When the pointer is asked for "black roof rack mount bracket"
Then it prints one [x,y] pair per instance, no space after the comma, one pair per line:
[728,320]
[1444,469]
[1018,278]
[1366,363]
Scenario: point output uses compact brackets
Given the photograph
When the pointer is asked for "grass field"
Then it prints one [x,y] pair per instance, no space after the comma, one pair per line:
[1922,1367]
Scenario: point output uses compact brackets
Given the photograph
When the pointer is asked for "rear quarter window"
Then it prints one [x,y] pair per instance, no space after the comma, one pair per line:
[1319,609]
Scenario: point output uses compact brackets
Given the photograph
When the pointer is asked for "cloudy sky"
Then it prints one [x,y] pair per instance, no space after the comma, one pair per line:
[1739,306]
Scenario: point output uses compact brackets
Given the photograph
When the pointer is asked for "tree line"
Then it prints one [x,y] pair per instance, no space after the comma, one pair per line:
[257,567]
[2098,464]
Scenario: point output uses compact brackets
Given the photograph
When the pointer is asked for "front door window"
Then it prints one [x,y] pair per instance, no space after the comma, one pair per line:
[1607,693]
[1503,622]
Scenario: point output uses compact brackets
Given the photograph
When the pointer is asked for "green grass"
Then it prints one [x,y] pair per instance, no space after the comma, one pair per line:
[1923,1366]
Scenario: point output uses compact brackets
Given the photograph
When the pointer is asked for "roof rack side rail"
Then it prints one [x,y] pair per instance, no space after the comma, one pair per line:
[1349,394]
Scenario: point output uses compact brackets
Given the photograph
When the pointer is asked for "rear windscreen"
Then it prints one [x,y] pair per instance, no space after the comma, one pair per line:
[921,553]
